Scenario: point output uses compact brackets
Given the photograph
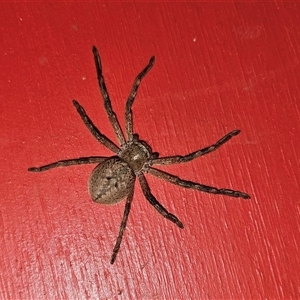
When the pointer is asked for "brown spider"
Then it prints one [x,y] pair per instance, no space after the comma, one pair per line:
[114,177]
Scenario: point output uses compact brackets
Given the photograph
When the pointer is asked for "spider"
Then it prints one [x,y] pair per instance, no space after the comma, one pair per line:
[114,177]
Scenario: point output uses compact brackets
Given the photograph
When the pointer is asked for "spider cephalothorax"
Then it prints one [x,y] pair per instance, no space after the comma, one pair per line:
[114,177]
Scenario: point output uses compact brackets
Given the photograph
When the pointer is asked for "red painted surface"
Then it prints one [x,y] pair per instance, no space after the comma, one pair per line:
[218,67]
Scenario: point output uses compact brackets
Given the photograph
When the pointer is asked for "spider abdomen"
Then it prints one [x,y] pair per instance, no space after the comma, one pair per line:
[110,181]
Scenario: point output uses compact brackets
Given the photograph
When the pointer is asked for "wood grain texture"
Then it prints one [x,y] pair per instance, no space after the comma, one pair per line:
[219,67]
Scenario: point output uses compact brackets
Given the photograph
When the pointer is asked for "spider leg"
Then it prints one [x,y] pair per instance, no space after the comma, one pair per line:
[169,160]
[69,162]
[94,130]
[137,82]
[153,201]
[123,225]
[107,103]
[197,186]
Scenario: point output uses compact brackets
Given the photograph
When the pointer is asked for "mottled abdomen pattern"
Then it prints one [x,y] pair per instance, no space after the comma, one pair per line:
[111,181]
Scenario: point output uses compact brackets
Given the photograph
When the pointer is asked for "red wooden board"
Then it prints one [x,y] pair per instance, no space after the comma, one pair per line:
[219,67]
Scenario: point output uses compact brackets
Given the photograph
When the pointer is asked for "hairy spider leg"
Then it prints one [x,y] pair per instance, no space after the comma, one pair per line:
[107,103]
[105,141]
[196,186]
[130,100]
[153,201]
[69,162]
[123,225]
[169,160]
